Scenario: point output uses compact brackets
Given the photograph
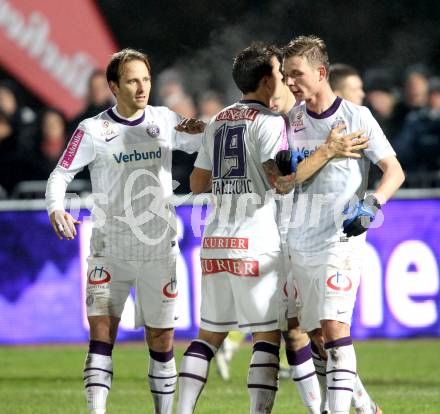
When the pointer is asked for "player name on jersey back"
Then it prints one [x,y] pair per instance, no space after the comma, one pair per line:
[238,114]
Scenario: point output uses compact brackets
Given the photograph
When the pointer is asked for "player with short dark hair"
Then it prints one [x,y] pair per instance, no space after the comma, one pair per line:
[127,149]
[326,244]
[242,281]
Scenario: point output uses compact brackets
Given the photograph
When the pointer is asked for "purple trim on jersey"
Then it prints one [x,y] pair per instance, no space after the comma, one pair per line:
[123,121]
[300,356]
[339,342]
[266,347]
[201,349]
[162,356]
[328,112]
[188,375]
[251,101]
[100,348]
[305,376]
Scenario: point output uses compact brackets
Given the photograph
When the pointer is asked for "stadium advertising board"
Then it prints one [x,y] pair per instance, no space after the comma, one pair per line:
[53,46]
[42,279]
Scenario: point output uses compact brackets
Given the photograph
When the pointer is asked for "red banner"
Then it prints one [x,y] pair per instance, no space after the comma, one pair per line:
[53,46]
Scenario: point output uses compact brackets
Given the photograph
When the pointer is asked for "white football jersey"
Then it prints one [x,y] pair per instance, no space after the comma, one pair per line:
[235,144]
[316,221]
[130,169]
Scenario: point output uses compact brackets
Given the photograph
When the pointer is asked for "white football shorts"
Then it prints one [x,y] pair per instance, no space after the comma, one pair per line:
[325,286]
[109,281]
[243,294]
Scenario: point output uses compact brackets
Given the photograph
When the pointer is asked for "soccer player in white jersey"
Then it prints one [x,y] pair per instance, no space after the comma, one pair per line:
[325,237]
[128,152]
[241,281]
[299,349]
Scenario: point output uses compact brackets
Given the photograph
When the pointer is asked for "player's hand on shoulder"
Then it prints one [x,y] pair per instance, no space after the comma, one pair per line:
[360,215]
[63,224]
[190,126]
[348,146]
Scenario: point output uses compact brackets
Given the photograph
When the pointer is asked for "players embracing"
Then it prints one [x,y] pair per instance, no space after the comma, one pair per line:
[331,212]
[242,269]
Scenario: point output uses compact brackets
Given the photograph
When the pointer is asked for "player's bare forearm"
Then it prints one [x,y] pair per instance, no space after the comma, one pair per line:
[313,164]
[200,180]
[392,178]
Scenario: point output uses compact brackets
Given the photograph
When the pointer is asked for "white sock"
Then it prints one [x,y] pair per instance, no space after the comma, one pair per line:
[320,369]
[341,374]
[98,372]
[305,378]
[263,377]
[193,374]
[162,377]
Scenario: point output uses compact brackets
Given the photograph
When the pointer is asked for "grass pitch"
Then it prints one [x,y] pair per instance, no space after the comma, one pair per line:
[402,376]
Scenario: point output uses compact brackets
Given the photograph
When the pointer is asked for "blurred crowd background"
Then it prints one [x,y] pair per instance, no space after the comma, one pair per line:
[395,47]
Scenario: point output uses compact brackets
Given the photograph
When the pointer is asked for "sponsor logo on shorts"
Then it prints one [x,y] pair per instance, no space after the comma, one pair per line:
[98,276]
[170,289]
[72,148]
[339,282]
[237,267]
[237,243]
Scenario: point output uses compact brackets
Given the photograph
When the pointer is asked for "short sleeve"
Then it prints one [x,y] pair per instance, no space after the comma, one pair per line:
[271,136]
[378,145]
[203,160]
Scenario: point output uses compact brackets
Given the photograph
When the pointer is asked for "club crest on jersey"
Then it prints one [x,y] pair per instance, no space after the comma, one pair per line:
[153,130]
[338,121]
[108,132]
[298,123]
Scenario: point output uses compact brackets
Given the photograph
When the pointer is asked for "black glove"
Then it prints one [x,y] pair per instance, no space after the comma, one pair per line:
[288,160]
